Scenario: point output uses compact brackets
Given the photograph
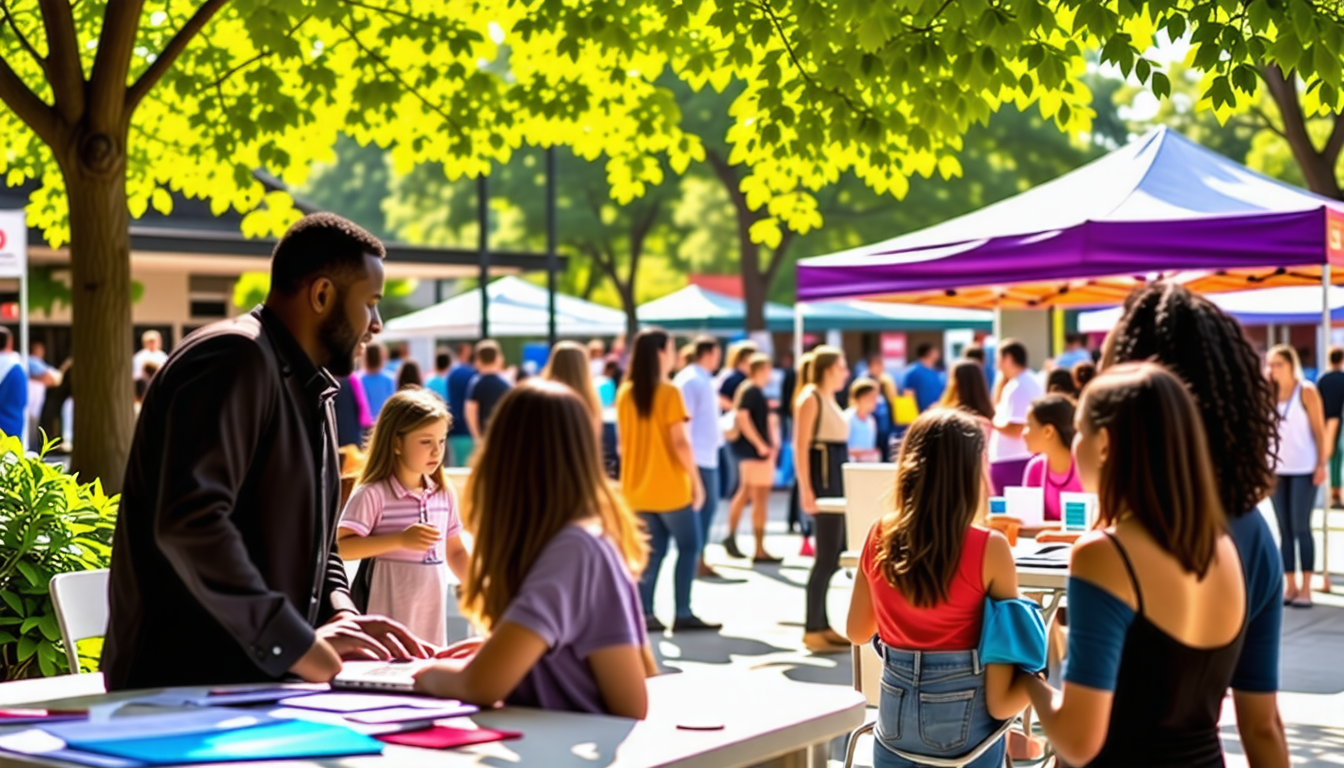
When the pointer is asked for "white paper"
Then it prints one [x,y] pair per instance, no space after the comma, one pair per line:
[1027,505]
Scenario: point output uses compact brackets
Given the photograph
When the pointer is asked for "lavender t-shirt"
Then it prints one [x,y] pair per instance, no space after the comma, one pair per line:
[579,598]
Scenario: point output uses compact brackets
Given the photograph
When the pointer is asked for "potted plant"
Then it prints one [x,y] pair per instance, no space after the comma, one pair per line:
[50,523]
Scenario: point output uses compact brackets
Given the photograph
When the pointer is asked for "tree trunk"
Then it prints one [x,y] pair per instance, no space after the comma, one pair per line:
[627,293]
[1317,166]
[754,289]
[100,261]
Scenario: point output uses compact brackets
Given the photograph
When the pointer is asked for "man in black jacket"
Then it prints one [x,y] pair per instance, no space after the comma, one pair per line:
[224,566]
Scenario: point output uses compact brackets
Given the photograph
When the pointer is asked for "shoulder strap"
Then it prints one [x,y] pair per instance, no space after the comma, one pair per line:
[1133,579]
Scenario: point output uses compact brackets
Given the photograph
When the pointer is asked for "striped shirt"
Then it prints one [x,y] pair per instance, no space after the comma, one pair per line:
[388,507]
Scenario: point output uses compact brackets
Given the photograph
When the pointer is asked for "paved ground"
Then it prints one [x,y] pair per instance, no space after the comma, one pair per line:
[762,613]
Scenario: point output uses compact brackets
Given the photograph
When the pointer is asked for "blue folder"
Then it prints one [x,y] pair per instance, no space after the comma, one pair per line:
[275,740]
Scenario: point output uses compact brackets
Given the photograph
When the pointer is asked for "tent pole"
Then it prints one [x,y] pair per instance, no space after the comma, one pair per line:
[998,324]
[798,332]
[551,261]
[1322,361]
[483,252]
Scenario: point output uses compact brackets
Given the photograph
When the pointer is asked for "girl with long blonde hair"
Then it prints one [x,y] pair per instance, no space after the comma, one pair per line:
[569,365]
[553,569]
[402,519]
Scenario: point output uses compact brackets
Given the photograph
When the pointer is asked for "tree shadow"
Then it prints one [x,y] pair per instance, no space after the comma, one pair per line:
[1309,745]
[594,745]
[826,669]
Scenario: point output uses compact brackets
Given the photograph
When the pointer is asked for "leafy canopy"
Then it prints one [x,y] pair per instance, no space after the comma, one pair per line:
[882,90]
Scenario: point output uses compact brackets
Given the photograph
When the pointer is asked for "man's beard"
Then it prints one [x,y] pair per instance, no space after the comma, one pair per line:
[340,340]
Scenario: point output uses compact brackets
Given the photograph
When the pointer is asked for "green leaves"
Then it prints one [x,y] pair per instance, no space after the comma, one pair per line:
[49,524]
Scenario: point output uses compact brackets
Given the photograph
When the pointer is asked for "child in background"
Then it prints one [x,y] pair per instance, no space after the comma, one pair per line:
[552,578]
[404,514]
[862,424]
[1049,435]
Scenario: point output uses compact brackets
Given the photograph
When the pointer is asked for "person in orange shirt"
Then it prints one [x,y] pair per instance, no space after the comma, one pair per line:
[659,477]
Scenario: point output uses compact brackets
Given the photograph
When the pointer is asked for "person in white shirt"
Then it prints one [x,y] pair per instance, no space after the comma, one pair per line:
[696,382]
[151,351]
[1008,453]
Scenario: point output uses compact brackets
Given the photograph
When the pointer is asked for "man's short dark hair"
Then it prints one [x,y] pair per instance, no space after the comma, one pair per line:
[974,352]
[6,337]
[922,351]
[442,360]
[1015,350]
[1336,355]
[396,352]
[705,345]
[373,357]
[488,353]
[321,245]
[1075,338]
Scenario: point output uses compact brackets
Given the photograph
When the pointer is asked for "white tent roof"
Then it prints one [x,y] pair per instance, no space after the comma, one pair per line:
[517,308]
[1289,305]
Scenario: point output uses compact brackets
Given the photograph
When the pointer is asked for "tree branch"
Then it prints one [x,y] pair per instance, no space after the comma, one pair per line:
[168,56]
[23,39]
[107,112]
[397,76]
[765,8]
[64,70]
[220,80]
[1320,176]
[32,110]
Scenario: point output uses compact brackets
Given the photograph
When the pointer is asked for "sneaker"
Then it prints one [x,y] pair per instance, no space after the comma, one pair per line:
[807,550]
[730,546]
[693,623]
[653,626]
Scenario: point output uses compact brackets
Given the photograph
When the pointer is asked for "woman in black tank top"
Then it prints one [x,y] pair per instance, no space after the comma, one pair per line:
[1135,695]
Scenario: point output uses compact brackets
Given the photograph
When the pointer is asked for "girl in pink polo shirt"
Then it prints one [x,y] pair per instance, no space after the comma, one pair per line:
[403,516]
[1049,435]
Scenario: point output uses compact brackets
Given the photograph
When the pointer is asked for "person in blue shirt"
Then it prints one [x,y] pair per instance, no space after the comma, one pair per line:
[378,384]
[922,379]
[438,383]
[1205,347]
[1075,352]
[13,388]
[459,378]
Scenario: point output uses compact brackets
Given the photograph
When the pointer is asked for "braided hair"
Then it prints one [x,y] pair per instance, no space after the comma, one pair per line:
[1168,324]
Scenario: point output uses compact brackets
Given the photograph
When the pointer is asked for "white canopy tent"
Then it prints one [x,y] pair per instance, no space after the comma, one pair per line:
[1288,305]
[517,309]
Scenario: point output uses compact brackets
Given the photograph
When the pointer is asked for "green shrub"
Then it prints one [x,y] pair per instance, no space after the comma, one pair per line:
[49,524]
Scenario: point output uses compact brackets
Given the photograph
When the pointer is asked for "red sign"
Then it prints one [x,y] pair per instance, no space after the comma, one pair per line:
[9,310]
[893,346]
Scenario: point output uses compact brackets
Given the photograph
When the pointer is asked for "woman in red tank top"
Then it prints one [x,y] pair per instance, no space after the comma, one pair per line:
[926,572]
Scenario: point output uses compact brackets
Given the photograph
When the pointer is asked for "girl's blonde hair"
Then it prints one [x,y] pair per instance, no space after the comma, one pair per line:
[538,471]
[570,365]
[1289,356]
[805,364]
[405,412]
[824,358]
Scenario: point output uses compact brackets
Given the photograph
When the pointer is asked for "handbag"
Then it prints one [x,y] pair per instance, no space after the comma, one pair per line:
[1013,633]
[904,410]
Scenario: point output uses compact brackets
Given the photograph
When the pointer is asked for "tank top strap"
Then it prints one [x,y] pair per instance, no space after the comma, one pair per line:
[1133,579]
[972,566]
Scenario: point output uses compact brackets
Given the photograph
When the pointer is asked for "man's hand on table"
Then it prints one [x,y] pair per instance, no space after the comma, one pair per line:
[372,638]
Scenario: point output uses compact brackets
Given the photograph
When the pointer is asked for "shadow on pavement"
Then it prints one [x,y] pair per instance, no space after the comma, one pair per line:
[710,647]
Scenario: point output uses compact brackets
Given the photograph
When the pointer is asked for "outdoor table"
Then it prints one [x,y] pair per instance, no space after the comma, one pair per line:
[832,505]
[766,721]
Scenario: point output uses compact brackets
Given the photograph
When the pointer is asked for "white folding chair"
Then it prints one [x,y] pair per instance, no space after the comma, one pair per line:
[869,494]
[81,608]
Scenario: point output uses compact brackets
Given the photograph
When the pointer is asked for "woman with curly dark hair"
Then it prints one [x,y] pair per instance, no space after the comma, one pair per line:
[1205,347]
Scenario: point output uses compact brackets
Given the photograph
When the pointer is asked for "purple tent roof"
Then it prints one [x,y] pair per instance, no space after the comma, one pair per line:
[1161,204]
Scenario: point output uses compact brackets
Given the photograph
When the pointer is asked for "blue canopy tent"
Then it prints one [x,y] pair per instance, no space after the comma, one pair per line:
[694,308]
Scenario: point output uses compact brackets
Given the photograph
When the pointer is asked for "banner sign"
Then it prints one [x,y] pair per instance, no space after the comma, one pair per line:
[13,244]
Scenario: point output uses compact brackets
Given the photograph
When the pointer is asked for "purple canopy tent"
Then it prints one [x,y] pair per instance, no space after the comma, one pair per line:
[1161,206]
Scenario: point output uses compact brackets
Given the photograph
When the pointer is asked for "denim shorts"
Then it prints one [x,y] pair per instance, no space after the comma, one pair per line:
[933,703]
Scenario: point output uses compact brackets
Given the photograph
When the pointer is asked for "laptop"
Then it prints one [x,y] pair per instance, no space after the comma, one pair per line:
[397,675]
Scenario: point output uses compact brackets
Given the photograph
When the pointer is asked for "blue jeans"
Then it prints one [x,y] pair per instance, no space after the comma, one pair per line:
[682,525]
[1294,498]
[710,479]
[933,704]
